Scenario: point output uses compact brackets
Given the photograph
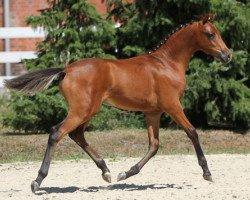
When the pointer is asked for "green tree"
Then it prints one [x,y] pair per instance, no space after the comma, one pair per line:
[216,95]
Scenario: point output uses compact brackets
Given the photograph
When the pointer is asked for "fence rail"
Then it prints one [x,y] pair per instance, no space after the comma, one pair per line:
[21,32]
[7,33]
[16,56]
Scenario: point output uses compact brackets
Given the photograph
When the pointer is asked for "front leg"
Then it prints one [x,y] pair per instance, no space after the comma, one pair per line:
[180,118]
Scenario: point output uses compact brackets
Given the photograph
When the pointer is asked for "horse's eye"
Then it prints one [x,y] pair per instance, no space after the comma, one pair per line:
[210,35]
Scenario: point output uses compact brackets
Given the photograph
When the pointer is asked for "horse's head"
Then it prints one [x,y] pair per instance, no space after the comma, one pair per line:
[210,41]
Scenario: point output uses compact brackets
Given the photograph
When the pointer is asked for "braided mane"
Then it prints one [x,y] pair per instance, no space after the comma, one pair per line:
[204,18]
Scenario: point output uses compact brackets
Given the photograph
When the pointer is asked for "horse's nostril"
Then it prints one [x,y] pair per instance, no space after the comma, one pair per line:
[225,56]
[229,57]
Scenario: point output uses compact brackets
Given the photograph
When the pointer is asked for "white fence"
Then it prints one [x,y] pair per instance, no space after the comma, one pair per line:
[17,56]
[21,32]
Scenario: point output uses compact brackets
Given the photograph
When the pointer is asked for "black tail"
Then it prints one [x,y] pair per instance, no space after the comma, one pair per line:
[35,81]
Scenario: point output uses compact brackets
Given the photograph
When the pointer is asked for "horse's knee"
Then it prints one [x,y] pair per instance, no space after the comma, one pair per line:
[55,128]
[192,134]
[154,146]
[53,138]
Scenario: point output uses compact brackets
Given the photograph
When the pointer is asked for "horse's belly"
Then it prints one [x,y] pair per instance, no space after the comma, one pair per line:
[145,105]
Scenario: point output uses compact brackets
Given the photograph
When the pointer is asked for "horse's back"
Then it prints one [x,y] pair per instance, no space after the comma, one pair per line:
[127,84]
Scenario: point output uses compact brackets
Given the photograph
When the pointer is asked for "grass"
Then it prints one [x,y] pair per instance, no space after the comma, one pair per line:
[119,143]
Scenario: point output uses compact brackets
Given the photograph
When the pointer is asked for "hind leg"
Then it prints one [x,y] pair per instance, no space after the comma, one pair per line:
[78,136]
[81,109]
[153,121]
[58,132]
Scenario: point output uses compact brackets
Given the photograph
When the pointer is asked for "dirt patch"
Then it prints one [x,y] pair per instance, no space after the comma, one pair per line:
[164,177]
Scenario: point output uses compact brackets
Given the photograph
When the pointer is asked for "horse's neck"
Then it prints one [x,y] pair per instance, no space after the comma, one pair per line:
[179,48]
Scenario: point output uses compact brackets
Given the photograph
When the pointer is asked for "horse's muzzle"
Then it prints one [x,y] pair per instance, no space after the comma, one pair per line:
[225,57]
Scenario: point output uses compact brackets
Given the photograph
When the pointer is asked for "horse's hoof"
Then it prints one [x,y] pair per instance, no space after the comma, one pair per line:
[107,177]
[121,176]
[34,186]
[208,178]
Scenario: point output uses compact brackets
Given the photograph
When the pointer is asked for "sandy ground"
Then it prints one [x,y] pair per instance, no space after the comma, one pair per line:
[164,177]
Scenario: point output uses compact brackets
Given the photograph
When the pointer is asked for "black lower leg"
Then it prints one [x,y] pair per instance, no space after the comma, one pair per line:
[78,136]
[137,168]
[133,171]
[43,172]
[192,134]
[101,164]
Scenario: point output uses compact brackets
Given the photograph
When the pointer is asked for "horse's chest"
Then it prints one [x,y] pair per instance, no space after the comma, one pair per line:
[172,86]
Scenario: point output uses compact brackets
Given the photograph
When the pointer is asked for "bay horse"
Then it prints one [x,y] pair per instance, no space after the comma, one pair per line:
[152,83]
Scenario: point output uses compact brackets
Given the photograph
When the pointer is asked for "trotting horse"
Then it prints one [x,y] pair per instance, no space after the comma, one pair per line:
[152,83]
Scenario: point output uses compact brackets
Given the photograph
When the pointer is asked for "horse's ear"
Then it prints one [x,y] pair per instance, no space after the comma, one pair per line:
[207,18]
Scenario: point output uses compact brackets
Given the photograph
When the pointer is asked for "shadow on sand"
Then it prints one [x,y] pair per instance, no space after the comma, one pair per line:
[123,187]
[52,190]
